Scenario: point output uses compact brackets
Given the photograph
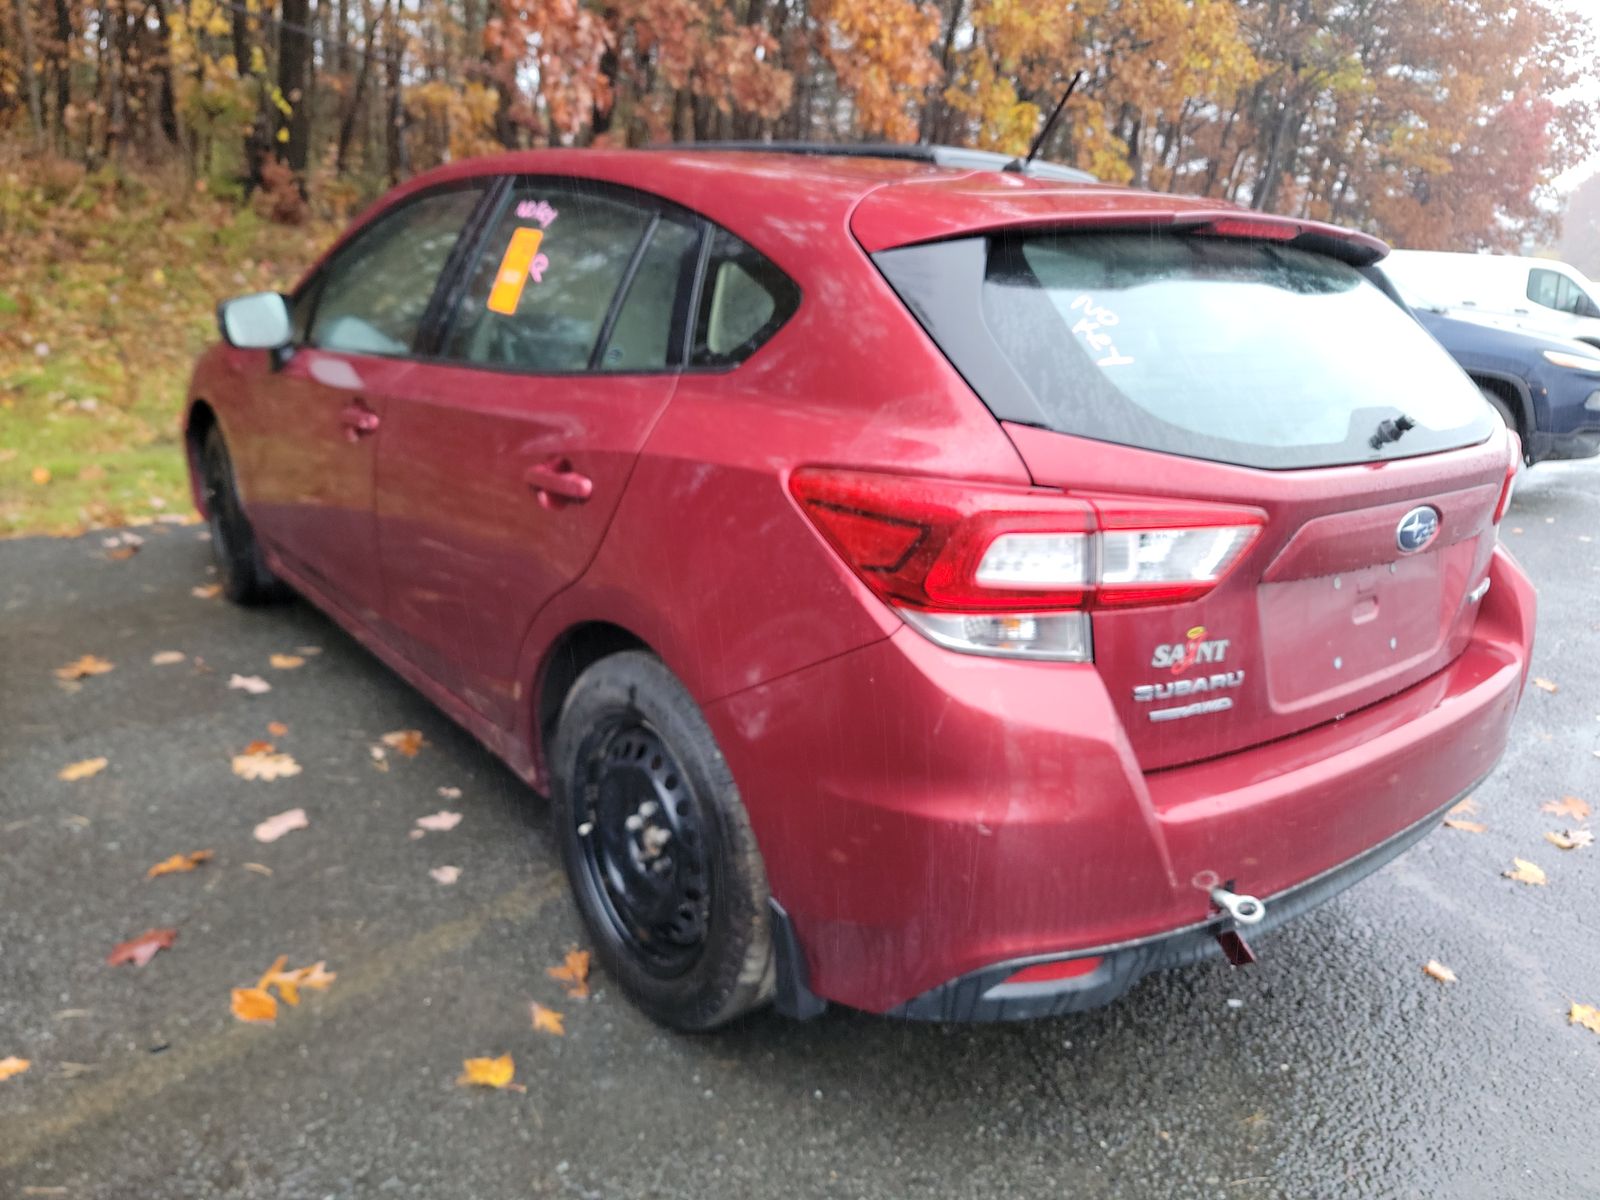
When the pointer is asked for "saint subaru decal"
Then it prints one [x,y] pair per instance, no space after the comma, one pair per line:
[1180,656]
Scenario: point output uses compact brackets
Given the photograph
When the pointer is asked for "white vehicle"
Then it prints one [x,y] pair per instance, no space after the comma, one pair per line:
[1539,295]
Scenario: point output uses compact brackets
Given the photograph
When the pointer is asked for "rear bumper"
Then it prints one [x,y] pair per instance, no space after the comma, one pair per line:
[930,819]
[984,995]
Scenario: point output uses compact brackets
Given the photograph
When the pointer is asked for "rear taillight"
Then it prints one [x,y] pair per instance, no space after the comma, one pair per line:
[1509,485]
[1014,571]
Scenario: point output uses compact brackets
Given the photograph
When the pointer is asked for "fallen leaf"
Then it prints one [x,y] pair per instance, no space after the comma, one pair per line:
[83,667]
[122,553]
[573,973]
[308,651]
[286,662]
[407,741]
[12,1066]
[439,822]
[445,875]
[277,728]
[1466,807]
[259,747]
[1586,1015]
[316,977]
[450,793]
[259,869]
[141,949]
[40,475]
[1547,685]
[1465,826]
[487,1072]
[274,828]
[1437,970]
[253,684]
[254,1004]
[178,863]
[206,591]
[1567,806]
[167,658]
[1572,839]
[547,1020]
[81,770]
[264,765]
[1526,872]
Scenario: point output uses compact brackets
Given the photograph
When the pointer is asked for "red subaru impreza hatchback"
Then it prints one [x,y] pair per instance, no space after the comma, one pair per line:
[942,588]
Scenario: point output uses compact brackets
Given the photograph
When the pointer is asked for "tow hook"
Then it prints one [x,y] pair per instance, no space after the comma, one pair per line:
[1246,910]
[1241,910]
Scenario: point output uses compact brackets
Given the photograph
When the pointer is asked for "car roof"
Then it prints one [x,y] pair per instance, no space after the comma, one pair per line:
[889,201]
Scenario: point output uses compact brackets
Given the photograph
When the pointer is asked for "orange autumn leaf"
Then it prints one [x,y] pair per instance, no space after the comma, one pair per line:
[487,1072]
[1526,872]
[260,747]
[1547,685]
[547,1020]
[1586,1015]
[73,772]
[277,728]
[286,662]
[140,950]
[254,1004]
[1572,839]
[12,1065]
[178,863]
[40,475]
[406,741]
[289,982]
[1464,826]
[83,667]
[1567,806]
[573,973]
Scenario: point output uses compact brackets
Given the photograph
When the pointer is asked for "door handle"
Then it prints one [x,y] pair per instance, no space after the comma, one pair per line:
[358,421]
[556,482]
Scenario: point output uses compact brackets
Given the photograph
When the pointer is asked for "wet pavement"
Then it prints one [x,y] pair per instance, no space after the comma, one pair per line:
[1333,1068]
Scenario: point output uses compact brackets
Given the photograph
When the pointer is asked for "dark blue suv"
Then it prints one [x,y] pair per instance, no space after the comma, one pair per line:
[1546,389]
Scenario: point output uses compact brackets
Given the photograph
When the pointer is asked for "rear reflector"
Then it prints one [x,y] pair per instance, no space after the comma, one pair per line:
[1509,485]
[1010,570]
[1054,972]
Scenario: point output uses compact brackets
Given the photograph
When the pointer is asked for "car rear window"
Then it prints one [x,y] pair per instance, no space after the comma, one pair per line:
[1244,352]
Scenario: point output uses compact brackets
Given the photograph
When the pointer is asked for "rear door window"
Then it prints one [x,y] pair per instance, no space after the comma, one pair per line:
[550,269]
[1238,351]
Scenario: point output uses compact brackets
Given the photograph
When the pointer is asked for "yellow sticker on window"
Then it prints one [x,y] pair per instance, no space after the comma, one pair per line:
[512,276]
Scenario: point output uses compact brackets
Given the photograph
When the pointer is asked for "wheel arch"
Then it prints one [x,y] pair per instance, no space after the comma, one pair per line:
[573,651]
[1515,392]
[198,422]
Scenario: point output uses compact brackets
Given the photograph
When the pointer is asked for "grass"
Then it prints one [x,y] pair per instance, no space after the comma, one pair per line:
[108,290]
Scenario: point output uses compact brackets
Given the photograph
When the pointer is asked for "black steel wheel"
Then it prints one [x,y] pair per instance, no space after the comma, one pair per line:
[245,577]
[657,846]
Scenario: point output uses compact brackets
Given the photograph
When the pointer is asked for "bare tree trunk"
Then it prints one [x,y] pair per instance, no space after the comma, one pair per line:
[358,94]
[294,60]
[935,112]
[63,67]
[30,77]
[395,112]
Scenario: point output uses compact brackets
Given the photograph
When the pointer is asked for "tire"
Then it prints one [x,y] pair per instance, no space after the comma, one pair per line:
[243,570]
[674,895]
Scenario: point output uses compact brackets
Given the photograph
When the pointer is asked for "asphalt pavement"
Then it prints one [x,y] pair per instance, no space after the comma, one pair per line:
[1332,1068]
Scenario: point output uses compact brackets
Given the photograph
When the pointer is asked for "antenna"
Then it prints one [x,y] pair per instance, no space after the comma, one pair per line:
[1022,165]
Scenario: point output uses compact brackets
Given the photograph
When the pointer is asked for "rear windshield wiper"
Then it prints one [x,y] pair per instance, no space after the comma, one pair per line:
[1391,431]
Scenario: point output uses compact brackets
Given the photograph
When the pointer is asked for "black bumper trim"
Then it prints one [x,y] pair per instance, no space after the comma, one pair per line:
[983,995]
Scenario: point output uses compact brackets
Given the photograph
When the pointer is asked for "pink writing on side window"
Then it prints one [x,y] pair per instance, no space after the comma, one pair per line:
[536,210]
[537,267]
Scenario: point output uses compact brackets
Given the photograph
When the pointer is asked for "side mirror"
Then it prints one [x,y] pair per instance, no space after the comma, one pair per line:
[256,322]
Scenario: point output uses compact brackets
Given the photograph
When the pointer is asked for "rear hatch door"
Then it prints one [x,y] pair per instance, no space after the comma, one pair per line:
[1248,363]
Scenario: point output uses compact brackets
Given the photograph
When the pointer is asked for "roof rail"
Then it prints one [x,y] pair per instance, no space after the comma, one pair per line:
[956,157]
